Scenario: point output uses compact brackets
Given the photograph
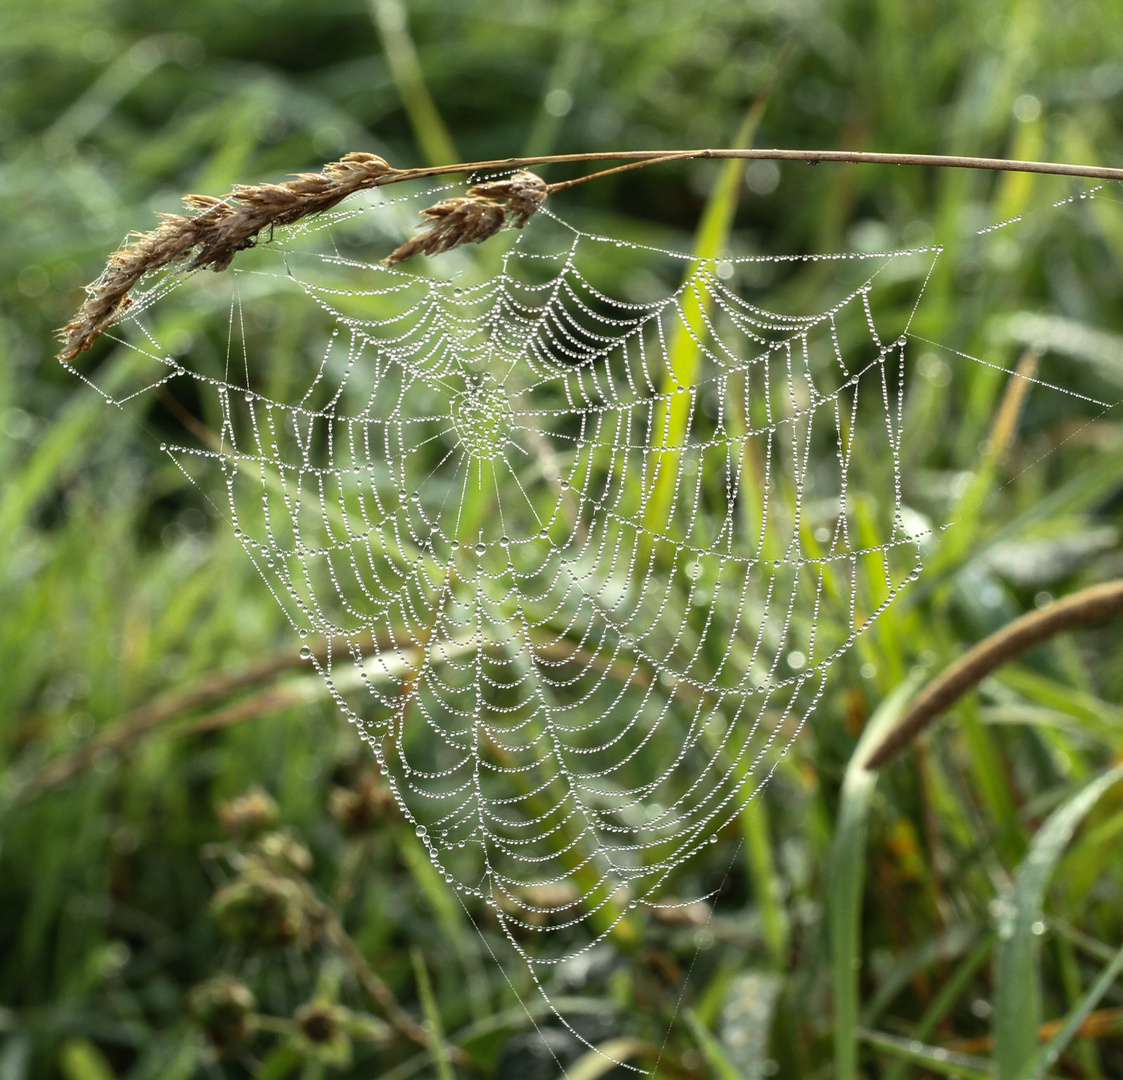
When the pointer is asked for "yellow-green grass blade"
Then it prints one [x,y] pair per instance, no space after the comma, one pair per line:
[847,879]
[437,1047]
[391,19]
[1051,1052]
[684,349]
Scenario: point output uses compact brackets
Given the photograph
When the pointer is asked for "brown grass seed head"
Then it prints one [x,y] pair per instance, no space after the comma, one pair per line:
[216,230]
[472,218]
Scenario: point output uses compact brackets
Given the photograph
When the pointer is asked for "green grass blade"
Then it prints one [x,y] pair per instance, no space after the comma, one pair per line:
[577,22]
[1049,1054]
[1017,998]
[711,1049]
[934,1058]
[437,1045]
[959,939]
[80,1059]
[761,864]
[684,351]
[945,998]
[283,1060]
[603,1060]
[847,877]
[455,926]
[392,21]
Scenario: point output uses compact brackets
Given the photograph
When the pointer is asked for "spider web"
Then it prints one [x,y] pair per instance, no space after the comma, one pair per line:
[571,511]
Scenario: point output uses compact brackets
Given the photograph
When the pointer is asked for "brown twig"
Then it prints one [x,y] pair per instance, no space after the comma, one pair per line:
[133,725]
[1096,1025]
[374,986]
[1088,606]
[121,733]
[221,227]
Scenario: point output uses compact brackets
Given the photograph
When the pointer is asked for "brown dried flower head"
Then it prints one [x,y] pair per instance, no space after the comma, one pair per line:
[323,1032]
[216,229]
[283,853]
[362,806]
[248,814]
[211,235]
[471,218]
[524,193]
[262,911]
[224,1009]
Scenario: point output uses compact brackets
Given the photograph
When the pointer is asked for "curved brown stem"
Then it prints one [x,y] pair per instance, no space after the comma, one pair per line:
[209,690]
[1083,608]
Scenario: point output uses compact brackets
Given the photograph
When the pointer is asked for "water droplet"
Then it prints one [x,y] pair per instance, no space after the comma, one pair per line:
[504,540]
[237,533]
[164,447]
[421,830]
[305,651]
[481,547]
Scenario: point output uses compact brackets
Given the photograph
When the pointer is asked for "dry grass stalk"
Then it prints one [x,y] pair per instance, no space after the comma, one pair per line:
[472,218]
[1084,608]
[222,227]
[211,236]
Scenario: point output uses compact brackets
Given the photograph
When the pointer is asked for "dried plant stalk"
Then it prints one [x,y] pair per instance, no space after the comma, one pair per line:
[211,236]
[1091,605]
[222,227]
[472,218]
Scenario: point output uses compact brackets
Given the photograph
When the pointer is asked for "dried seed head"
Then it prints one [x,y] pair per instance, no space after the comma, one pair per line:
[356,166]
[248,814]
[450,224]
[215,231]
[261,911]
[361,807]
[471,218]
[323,1032]
[523,191]
[284,854]
[223,1008]
[318,1023]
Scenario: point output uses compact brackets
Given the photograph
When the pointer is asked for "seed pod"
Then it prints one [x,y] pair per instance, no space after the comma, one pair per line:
[325,1032]
[359,808]
[248,814]
[224,1010]
[284,854]
[263,911]
[471,218]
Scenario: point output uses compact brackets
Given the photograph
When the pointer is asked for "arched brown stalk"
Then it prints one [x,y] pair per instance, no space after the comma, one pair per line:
[218,228]
[1082,608]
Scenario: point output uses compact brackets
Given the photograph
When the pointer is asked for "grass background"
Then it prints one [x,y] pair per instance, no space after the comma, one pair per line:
[931,921]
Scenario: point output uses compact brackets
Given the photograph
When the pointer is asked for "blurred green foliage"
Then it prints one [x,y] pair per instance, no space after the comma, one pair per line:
[146,677]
